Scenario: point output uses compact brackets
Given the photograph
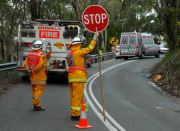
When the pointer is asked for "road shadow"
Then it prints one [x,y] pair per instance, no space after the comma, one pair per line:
[61,79]
[145,57]
[57,79]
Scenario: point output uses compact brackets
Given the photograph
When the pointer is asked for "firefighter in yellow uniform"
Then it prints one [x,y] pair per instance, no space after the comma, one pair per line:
[36,66]
[77,75]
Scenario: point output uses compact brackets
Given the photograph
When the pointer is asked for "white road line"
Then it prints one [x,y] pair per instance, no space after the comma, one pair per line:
[110,123]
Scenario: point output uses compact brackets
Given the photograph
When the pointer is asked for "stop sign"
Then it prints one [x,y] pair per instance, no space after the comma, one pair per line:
[95,18]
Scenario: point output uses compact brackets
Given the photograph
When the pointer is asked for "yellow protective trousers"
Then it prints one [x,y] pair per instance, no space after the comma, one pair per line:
[76,94]
[37,91]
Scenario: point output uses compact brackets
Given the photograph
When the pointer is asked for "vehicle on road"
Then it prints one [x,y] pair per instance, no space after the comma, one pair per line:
[163,47]
[56,36]
[88,60]
[138,44]
[117,51]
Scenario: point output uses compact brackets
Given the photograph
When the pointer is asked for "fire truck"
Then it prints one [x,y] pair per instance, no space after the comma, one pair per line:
[56,36]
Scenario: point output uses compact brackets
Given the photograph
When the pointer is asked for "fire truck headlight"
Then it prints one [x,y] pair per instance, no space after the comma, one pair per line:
[71,28]
[66,28]
[66,33]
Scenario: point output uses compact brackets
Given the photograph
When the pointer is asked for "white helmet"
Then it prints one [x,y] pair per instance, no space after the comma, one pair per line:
[76,40]
[37,44]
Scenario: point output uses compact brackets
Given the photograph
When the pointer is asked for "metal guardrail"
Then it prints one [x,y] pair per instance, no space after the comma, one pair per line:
[8,66]
[9,70]
[103,57]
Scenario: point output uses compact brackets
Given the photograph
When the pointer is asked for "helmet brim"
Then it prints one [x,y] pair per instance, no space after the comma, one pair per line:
[36,48]
[75,43]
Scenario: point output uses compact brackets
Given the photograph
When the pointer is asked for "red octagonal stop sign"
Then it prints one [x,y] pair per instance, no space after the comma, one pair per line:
[95,18]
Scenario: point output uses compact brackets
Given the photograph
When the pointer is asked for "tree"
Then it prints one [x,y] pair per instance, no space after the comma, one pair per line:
[35,8]
[8,22]
[168,12]
[75,4]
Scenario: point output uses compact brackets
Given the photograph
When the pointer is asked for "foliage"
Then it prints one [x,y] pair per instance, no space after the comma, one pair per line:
[169,15]
[125,16]
[169,70]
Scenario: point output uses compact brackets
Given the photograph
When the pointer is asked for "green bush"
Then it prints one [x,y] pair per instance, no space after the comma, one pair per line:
[170,55]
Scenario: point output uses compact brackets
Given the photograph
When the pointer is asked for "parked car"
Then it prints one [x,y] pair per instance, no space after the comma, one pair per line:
[138,44]
[88,60]
[163,47]
[116,51]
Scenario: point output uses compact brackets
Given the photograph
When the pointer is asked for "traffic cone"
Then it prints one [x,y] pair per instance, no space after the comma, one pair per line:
[83,123]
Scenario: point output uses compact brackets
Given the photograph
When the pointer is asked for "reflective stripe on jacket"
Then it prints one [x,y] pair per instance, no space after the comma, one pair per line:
[77,108]
[71,63]
[79,75]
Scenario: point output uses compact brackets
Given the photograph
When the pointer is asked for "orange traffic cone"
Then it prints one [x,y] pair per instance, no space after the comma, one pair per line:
[83,123]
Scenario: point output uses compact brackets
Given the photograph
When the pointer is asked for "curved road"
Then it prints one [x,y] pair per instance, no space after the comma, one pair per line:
[130,101]
[133,103]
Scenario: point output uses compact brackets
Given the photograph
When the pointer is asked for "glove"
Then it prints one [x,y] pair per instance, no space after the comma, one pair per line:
[96,35]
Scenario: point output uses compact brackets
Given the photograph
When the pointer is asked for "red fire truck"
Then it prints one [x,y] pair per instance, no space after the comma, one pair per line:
[56,36]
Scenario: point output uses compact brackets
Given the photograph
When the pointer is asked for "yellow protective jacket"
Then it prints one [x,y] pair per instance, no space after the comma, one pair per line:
[79,60]
[39,74]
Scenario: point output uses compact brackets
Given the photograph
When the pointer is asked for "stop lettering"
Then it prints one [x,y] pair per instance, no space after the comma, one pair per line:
[95,18]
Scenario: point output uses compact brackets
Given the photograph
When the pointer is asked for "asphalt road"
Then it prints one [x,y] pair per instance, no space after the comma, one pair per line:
[133,103]
[130,101]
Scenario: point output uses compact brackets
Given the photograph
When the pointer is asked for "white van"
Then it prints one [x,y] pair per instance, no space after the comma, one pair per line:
[138,44]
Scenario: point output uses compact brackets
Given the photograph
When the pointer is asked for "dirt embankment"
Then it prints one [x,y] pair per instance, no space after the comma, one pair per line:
[166,74]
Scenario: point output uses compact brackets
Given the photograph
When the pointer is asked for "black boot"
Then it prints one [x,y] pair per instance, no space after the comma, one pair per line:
[38,108]
[75,118]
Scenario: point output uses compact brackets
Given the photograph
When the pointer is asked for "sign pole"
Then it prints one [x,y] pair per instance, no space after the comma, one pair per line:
[100,80]
[95,19]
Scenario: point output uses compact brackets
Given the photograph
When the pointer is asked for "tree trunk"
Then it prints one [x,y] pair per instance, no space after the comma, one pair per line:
[35,9]
[76,7]
[167,18]
[60,10]
[170,32]
[177,23]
